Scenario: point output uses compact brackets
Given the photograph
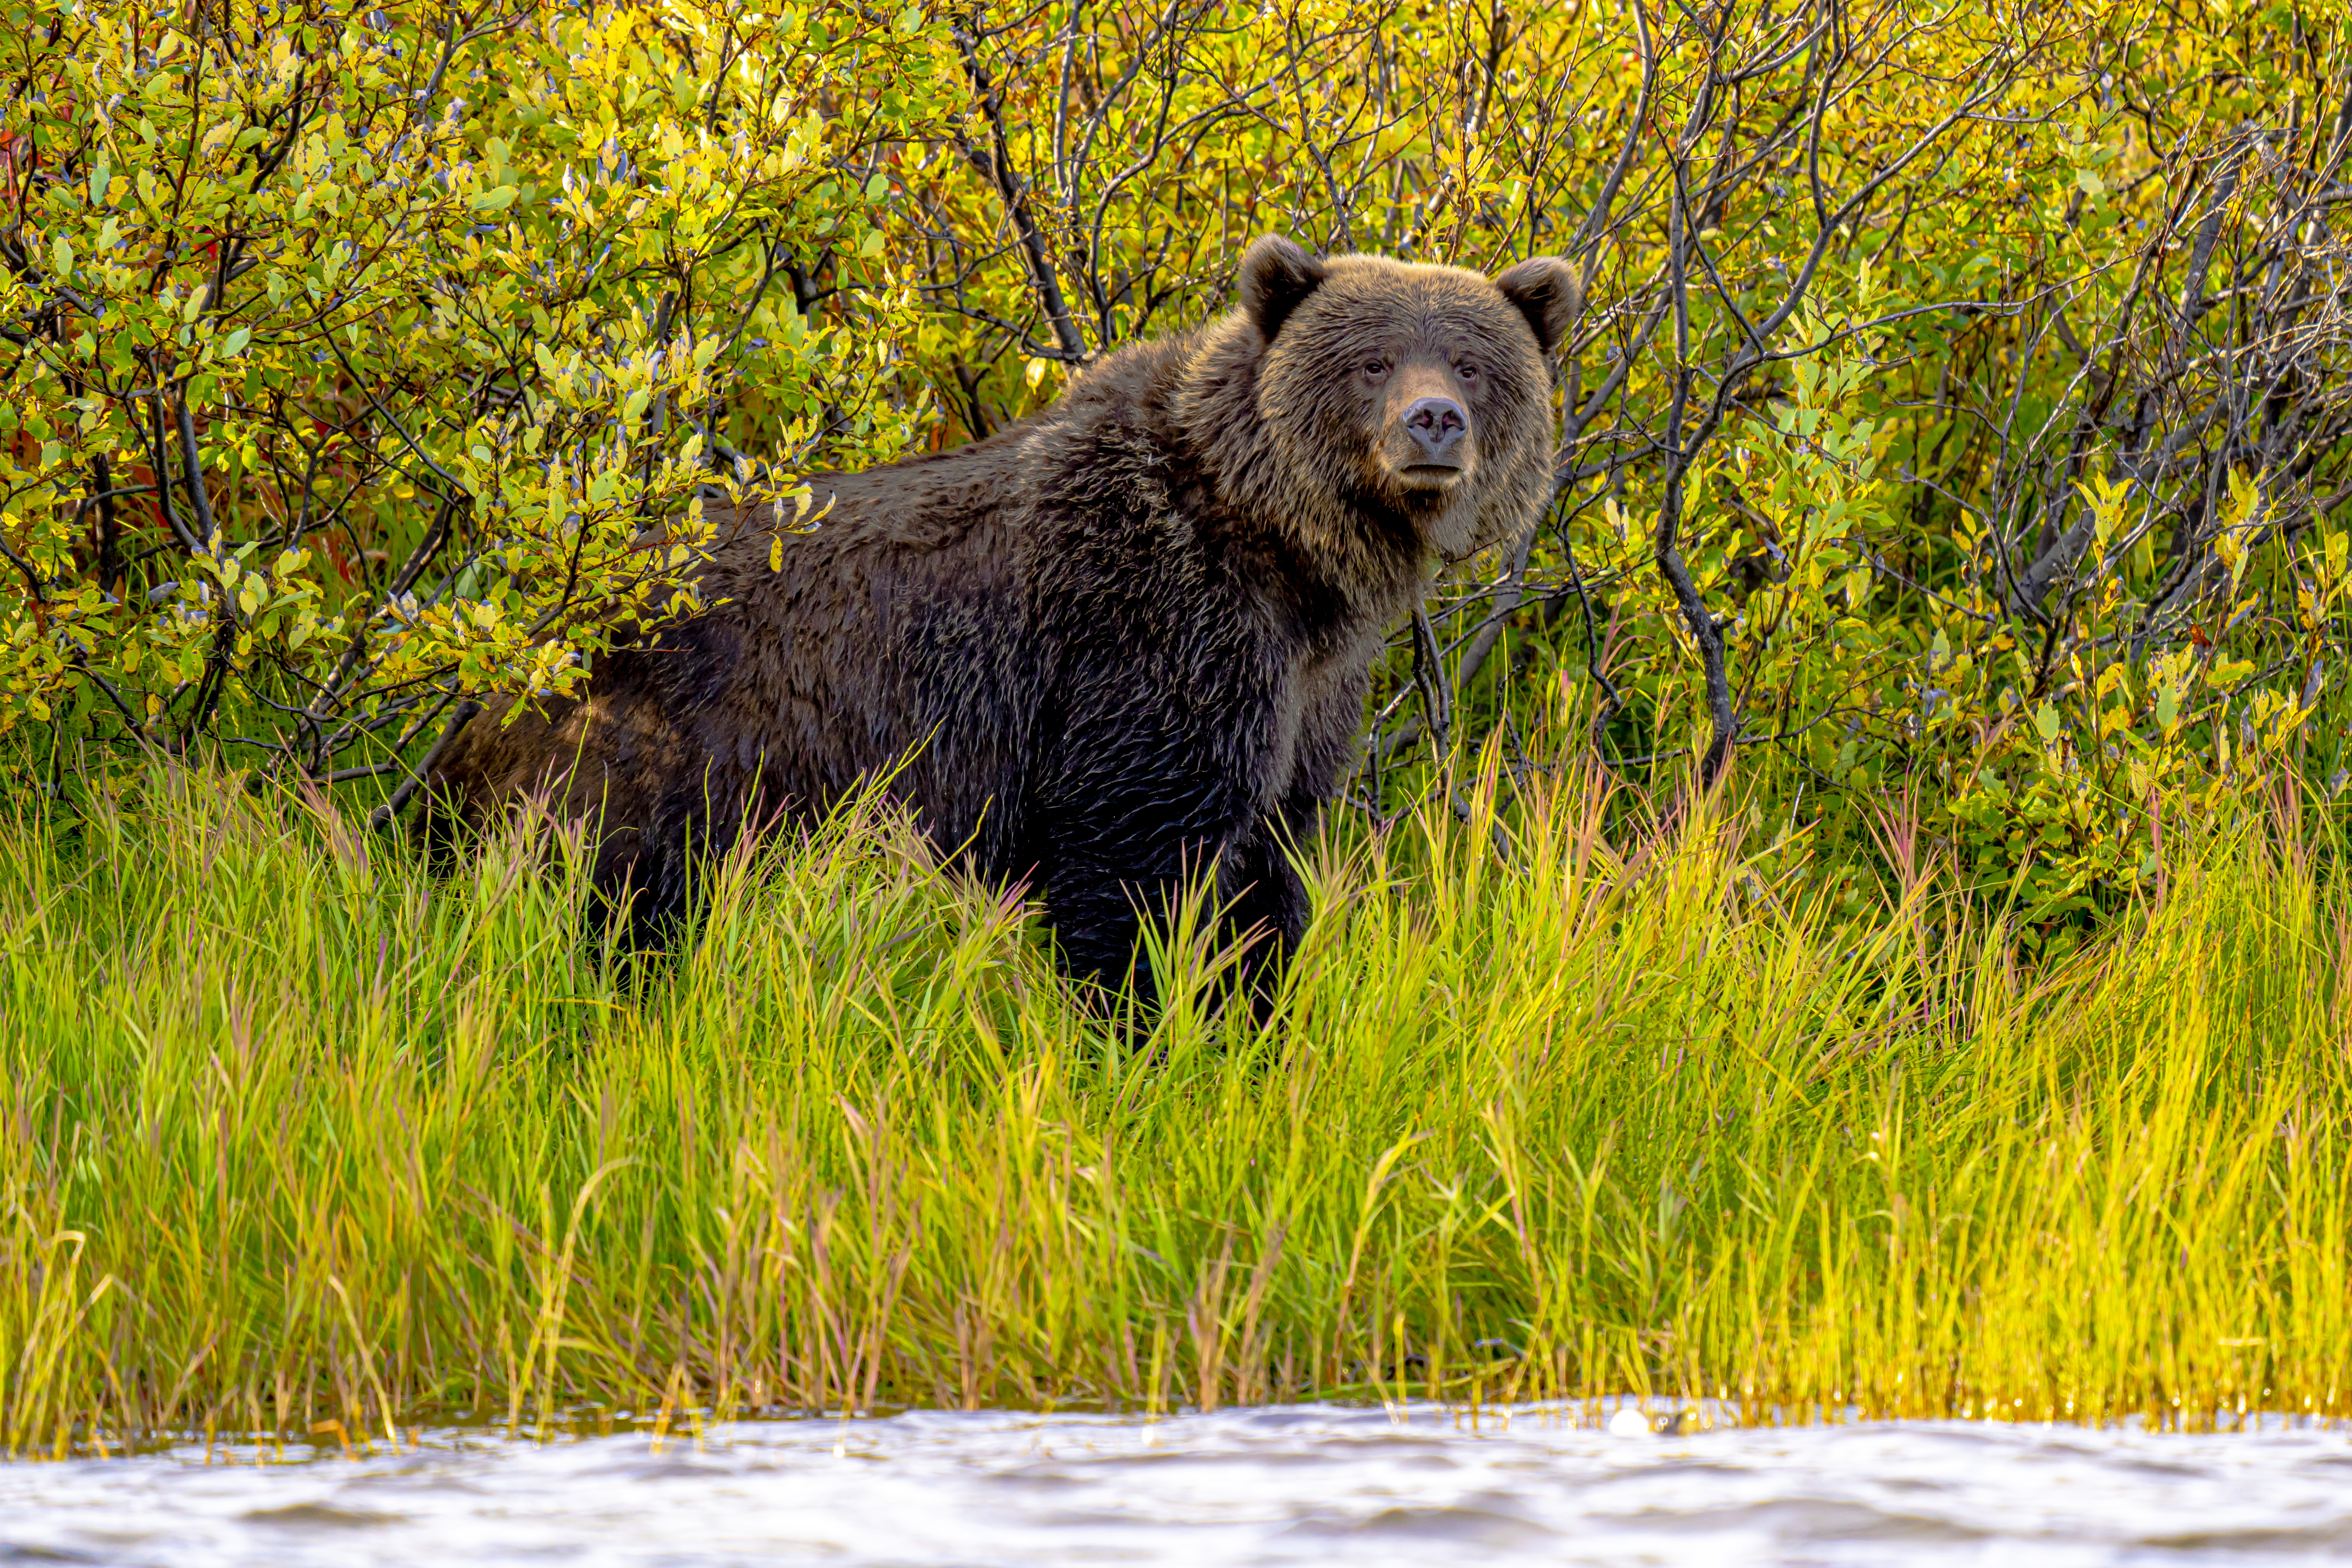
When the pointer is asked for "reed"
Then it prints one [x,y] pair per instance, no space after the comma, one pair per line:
[300,1139]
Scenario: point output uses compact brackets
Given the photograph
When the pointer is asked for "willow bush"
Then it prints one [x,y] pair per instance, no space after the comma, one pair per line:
[1843,912]
[1954,413]
[357,347]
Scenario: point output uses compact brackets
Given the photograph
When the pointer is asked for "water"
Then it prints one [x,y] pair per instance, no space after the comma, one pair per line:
[1297,1485]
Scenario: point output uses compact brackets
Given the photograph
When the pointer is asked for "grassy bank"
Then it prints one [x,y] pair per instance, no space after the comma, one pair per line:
[295,1134]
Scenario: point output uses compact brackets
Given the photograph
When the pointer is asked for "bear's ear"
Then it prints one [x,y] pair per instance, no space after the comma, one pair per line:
[1544,289]
[1276,277]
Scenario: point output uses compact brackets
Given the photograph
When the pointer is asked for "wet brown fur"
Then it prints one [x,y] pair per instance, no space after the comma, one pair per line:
[1124,637]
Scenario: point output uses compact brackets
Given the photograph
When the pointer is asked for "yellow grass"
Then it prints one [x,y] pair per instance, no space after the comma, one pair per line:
[298,1136]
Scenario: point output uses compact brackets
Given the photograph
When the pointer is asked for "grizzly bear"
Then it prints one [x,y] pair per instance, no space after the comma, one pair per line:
[1125,639]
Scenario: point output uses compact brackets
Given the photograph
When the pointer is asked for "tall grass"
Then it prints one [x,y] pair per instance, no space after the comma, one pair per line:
[299,1139]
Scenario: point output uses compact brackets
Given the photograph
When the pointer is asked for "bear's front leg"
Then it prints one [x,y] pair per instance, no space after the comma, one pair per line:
[1116,852]
[1099,904]
[1267,904]
[1098,928]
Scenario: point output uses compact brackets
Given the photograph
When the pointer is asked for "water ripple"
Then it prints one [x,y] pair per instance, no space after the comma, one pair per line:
[1297,1485]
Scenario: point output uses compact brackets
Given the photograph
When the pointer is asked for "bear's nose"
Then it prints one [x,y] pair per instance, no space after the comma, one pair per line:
[1436,426]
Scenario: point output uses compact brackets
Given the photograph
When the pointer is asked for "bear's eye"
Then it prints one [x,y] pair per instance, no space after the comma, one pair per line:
[1466,371]
[1376,367]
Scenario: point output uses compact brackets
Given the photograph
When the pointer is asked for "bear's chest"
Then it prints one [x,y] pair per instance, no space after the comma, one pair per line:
[1316,713]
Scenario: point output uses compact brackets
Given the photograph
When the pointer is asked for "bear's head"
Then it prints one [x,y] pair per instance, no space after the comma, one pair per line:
[1375,394]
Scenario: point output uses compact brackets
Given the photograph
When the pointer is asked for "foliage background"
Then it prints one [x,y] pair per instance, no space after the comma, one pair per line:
[1954,415]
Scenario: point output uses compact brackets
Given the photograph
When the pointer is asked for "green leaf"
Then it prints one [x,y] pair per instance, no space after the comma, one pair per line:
[498,198]
[2046,721]
[872,243]
[234,344]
